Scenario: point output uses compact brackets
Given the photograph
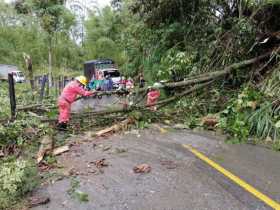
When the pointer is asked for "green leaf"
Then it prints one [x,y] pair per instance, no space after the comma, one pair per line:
[277,125]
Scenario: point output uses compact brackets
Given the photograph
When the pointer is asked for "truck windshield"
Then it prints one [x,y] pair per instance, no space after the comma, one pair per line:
[112,73]
[104,66]
[20,74]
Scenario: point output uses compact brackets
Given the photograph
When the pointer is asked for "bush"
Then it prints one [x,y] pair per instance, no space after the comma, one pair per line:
[251,114]
[265,122]
[234,119]
[17,177]
[176,62]
[4,102]
[16,132]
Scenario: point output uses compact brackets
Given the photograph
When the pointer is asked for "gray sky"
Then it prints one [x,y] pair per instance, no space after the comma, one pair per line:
[102,3]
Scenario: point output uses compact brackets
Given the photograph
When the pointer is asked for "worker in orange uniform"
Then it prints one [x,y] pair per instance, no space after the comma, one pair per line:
[153,96]
[68,96]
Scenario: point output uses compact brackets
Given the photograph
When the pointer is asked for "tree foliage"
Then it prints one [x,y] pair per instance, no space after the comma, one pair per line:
[104,32]
[17,177]
[23,32]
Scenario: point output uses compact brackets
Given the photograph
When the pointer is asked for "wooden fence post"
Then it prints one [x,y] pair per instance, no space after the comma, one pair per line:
[43,84]
[56,88]
[12,95]
[49,85]
[60,84]
[64,81]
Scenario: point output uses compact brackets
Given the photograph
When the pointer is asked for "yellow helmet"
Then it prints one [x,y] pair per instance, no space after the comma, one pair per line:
[82,79]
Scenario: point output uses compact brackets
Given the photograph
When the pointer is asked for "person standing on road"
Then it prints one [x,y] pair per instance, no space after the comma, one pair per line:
[100,81]
[92,84]
[108,83]
[68,96]
[153,96]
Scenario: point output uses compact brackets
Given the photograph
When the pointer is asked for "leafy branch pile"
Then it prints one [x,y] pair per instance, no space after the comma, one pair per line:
[17,177]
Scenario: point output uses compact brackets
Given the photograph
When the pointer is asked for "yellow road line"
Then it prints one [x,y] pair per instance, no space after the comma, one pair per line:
[235,179]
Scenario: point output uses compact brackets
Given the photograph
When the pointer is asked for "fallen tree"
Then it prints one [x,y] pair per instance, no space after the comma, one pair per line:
[167,101]
[196,79]
[200,81]
[142,108]
[203,80]
[216,74]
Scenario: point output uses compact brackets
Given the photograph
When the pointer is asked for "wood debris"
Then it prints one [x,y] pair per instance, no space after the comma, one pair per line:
[46,147]
[116,128]
[60,150]
[44,166]
[142,168]
[37,201]
[100,163]
[210,121]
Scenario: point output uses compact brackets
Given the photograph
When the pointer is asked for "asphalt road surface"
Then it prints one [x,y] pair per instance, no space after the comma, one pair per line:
[178,180]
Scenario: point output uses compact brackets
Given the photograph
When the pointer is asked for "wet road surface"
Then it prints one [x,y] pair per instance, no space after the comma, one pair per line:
[178,180]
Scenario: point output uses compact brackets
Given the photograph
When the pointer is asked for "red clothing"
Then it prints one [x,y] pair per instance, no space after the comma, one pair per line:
[68,96]
[152,98]
[72,90]
[64,111]
[129,84]
[122,84]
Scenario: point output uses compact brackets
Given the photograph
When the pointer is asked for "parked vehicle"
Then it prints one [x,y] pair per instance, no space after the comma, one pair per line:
[7,69]
[99,69]
[114,74]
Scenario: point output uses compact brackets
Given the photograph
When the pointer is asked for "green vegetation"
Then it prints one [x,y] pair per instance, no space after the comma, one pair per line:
[75,193]
[17,177]
[48,32]
[165,40]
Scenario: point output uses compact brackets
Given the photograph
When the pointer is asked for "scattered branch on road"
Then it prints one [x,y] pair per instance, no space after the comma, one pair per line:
[117,127]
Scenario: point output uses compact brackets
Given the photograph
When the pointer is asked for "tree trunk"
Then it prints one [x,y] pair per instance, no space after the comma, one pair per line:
[29,66]
[240,10]
[196,79]
[216,74]
[50,63]
[132,108]
[202,81]
[167,101]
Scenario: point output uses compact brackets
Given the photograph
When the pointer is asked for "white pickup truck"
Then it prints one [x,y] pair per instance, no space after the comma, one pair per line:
[10,69]
[102,68]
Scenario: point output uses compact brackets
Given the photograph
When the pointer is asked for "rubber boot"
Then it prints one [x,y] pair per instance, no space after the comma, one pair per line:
[62,126]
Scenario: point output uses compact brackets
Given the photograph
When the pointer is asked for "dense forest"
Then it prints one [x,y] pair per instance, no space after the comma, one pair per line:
[154,37]
[233,45]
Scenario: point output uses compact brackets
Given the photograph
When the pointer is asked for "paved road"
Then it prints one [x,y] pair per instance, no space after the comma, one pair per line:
[186,183]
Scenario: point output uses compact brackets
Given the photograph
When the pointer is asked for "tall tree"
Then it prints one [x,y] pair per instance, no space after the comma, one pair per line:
[54,18]
[103,34]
